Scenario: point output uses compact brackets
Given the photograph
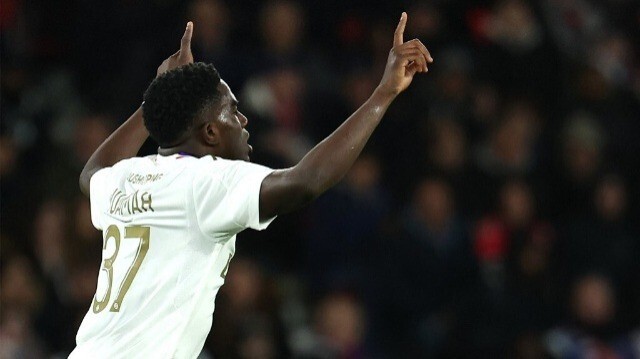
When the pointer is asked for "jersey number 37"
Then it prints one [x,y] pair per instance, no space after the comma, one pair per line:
[113,233]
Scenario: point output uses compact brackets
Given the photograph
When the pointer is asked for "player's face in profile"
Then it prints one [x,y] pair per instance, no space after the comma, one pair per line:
[231,123]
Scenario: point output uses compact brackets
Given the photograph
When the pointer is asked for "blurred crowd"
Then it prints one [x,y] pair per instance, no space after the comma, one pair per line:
[495,212]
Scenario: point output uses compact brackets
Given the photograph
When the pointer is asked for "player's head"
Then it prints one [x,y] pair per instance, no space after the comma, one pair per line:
[190,106]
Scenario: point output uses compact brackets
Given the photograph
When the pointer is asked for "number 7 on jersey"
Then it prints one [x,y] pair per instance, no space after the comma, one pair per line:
[142,233]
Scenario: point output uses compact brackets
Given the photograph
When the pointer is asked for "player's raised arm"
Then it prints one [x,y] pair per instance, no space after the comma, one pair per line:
[125,142]
[328,162]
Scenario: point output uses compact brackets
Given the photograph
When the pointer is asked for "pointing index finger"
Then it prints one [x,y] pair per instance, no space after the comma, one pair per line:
[397,36]
[185,43]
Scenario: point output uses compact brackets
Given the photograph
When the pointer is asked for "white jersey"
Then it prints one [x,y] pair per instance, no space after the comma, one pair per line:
[169,227]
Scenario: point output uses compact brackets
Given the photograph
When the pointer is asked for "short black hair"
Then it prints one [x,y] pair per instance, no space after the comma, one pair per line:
[176,98]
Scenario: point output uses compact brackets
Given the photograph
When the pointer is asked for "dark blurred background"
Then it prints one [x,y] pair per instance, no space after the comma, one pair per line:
[495,212]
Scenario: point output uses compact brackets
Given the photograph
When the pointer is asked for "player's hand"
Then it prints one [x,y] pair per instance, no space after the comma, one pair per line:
[183,56]
[405,60]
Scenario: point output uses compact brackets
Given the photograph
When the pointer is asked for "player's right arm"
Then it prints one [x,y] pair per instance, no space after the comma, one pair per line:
[328,162]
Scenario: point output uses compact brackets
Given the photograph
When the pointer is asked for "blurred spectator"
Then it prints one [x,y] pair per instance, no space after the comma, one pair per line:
[531,245]
[514,250]
[210,36]
[282,24]
[591,331]
[423,274]
[508,150]
[514,50]
[246,323]
[582,146]
[50,246]
[512,142]
[21,299]
[614,59]
[89,133]
[7,156]
[65,160]
[276,94]
[357,206]
[16,197]
[603,241]
[340,323]
[448,148]
[428,23]
[276,100]
[575,24]
[583,142]
[486,105]
[453,82]
[212,41]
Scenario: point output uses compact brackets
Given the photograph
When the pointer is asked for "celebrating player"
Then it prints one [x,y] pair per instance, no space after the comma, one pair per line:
[170,220]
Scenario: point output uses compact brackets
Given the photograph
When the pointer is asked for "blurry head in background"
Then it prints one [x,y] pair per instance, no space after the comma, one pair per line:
[532,240]
[245,285]
[433,204]
[340,321]
[517,204]
[245,326]
[513,25]
[277,98]
[287,85]
[82,226]
[611,198]
[212,19]
[256,338]
[8,155]
[358,86]
[21,298]
[486,104]
[591,86]
[22,291]
[89,133]
[583,143]
[50,234]
[364,175]
[447,149]
[593,303]
[613,59]
[427,22]
[517,135]
[282,26]
[82,283]
[454,74]
[512,141]
[380,31]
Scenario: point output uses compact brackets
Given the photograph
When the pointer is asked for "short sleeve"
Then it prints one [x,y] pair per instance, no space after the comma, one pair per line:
[98,196]
[227,200]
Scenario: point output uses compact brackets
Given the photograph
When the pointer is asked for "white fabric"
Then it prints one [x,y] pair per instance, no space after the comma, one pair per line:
[193,207]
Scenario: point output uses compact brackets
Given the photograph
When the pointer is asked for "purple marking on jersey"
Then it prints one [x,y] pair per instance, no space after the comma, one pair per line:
[184,154]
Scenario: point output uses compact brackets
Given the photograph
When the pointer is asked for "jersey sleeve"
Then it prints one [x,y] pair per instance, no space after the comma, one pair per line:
[228,201]
[98,196]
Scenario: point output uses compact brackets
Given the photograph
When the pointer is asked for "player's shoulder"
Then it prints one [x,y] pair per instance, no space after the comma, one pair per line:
[220,165]
[211,167]
[217,168]
[133,161]
[123,165]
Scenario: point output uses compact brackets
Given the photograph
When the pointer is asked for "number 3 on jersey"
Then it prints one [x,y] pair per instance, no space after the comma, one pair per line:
[139,232]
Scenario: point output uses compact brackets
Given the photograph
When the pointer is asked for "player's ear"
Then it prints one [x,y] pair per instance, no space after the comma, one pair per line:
[210,134]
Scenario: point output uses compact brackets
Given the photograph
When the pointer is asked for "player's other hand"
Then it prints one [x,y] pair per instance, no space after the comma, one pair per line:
[405,60]
[183,56]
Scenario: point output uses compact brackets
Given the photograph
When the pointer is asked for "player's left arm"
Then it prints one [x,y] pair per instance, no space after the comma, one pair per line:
[125,142]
